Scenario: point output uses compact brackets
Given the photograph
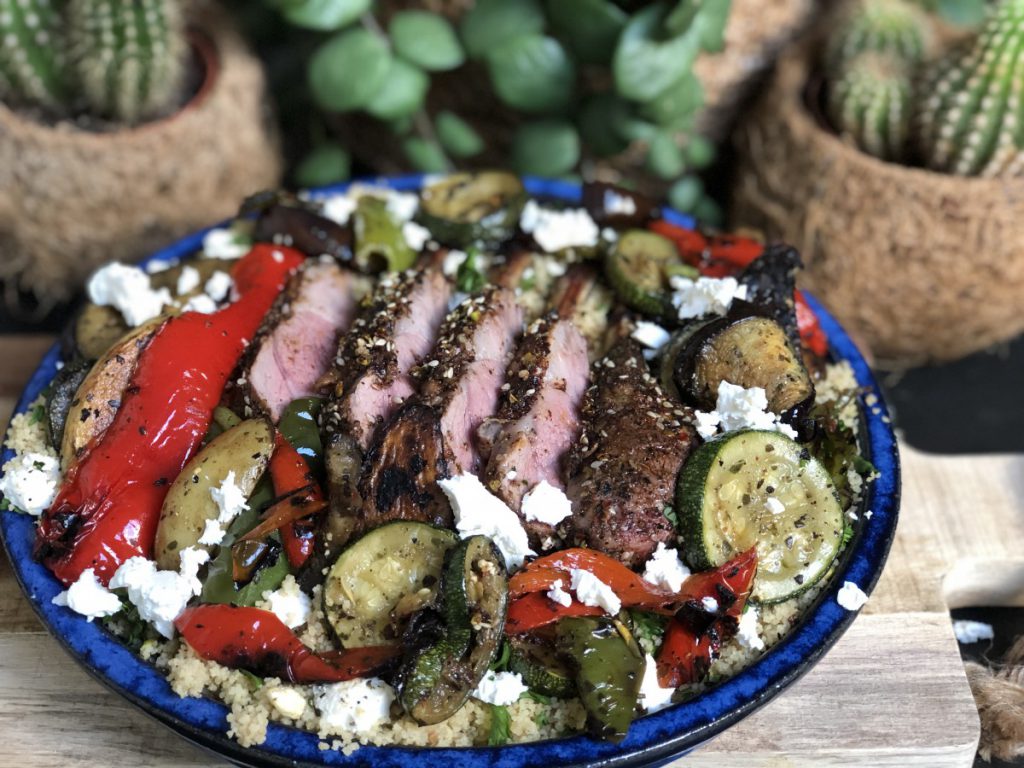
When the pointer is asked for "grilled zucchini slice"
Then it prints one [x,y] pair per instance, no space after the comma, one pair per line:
[639,266]
[467,208]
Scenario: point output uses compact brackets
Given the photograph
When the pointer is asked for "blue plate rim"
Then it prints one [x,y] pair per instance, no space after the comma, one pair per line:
[652,740]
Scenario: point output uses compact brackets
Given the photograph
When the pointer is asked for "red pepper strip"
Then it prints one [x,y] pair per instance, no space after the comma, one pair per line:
[258,641]
[811,334]
[108,506]
[290,472]
[687,650]
[535,610]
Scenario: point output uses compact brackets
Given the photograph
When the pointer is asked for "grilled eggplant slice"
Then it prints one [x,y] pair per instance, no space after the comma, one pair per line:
[59,396]
[467,208]
[771,283]
[95,330]
[612,206]
[288,221]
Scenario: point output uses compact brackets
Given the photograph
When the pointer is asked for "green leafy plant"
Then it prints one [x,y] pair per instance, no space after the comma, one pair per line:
[122,60]
[571,81]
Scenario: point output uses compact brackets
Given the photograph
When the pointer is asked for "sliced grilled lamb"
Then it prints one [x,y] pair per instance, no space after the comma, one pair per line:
[622,472]
[462,377]
[537,420]
[294,347]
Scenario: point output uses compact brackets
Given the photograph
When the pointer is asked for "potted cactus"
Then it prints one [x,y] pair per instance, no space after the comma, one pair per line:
[890,151]
[123,124]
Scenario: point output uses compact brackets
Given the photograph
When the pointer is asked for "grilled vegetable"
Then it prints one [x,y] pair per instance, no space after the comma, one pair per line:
[748,349]
[760,489]
[437,680]
[98,397]
[95,330]
[381,579]
[535,659]
[467,208]
[59,396]
[380,244]
[608,670]
[298,426]
[612,206]
[639,266]
[292,223]
[771,283]
[243,451]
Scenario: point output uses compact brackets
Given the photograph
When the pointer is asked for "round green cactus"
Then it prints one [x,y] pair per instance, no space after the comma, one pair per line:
[31,66]
[871,104]
[970,111]
[127,55]
[893,27]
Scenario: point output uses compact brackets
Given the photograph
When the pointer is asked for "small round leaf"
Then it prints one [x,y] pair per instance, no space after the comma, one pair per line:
[590,28]
[325,164]
[664,156]
[425,156]
[426,40]
[602,122]
[546,148]
[708,212]
[489,23]
[699,152]
[346,71]
[324,14]
[532,73]
[676,105]
[686,193]
[645,65]
[457,136]
[401,94]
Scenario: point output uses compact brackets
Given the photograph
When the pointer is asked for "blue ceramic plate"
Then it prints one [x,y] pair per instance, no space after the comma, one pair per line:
[652,740]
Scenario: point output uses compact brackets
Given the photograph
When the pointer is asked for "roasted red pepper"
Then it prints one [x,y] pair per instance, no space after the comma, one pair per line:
[693,637]
[291,475]
[535,610]
[258,641]
[108,506]
[811,334]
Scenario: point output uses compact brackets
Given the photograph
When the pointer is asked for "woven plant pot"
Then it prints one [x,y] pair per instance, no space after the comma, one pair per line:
[923,267]
[71,199]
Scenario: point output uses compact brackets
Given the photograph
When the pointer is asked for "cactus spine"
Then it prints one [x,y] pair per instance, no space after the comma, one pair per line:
[881,26]
[871,104]
[127,55]
[970,114]
[31,66]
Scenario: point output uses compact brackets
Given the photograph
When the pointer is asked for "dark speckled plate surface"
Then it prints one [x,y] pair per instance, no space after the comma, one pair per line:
[652,740]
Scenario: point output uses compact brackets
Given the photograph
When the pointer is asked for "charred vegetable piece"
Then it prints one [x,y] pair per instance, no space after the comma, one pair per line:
[296,225]
[609,667]
[298,425]
[536,660]
[612,206]
[639,266]
[60,395]
[762,489]
[436,681]
[467,208]
[242,452]
[747,349]
[771,283]
[381,579]
[95,330]
[380,244]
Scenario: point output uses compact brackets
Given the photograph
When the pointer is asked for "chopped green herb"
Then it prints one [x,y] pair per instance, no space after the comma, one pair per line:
[38,414]
[469,277]
[848,532]
[670,515]
[540,698]
[255,681]
[648,629]
[835,445]
[500,664]
[501,725]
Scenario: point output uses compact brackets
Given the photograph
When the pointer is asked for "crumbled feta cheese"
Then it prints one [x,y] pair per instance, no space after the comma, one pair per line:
[88,597]
[354,706]
[230,501]
[618,205]
[705,295]
[651,335]
[160,596]
[224,243]
[652,696]
[219,286]
[968,632]
[289,702]
[452,261]
[774,506]
[128,290]
[546,504]
[415,235]
[590,590]
[665,569]
[746,631]
[200,303]
[30,482]
[555,230]
[479,512]
[289,603]
[710,604]
[339,208]
[158,265]
[500,688]
[401,205]
[868,514]
[188,280]
[559,595]
[851,597]
[739,408]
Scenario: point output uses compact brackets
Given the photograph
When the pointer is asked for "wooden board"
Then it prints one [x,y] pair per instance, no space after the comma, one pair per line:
[891,693]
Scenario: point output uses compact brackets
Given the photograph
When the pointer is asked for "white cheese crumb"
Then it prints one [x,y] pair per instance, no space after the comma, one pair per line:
[88,597]
[652,696]
[158,265]
[415,235]
[705,295]
[219,286]
[651,335]
[30,482]
[223,243]
[188,279]
[546,504]
[230,501]
[851,597]
[289,603]
[339,208]
[968,632]
[128,290]
[618,205]
[452,261]
[665,569]
[774,506]
[555,230]
[401,205]
[590,590]
[559,595]
[356,706]
[200,303]
[739,408]
[479,512]
[747,633]
[868,514]
[161,596]
[710,604]
[500,688]
[289,702]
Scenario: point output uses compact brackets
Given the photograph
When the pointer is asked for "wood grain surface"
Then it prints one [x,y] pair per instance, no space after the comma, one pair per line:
[892,692]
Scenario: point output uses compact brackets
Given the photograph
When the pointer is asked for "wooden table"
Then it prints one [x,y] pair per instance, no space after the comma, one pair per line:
[892,692]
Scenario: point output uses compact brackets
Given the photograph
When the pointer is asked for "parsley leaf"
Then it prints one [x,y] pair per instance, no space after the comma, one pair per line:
[501,726]
[38,414]
[470,278]
[670,514]
[648,629]
[500,664]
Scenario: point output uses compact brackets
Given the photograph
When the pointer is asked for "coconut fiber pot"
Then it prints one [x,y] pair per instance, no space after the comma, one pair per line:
[71,199]
[922,266]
